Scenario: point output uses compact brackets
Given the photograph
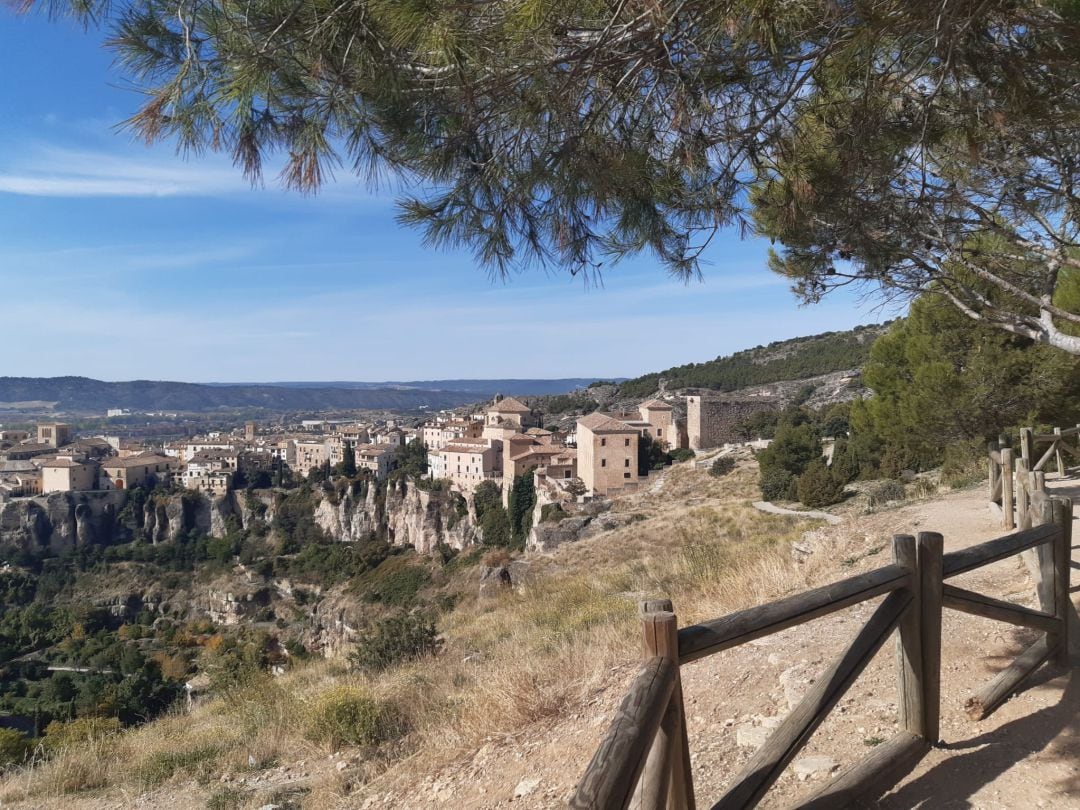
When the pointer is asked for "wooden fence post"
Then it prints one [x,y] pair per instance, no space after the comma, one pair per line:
[909,658]
[1023,481]
[1025,445]
[994,470]
[1058,456]
[930,549]
[1061,557]
[1007,487]
[666,781]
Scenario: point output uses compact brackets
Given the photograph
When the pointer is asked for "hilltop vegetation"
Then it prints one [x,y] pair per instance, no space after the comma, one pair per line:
[795,359]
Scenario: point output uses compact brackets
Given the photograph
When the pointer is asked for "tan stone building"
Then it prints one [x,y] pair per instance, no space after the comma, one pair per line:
[212,482]
[468,462]
[661,419]
[25,451]
[380,459]
[607,452]
[507,416]
[437,436]
[54,434]
[137,471]
[309,455]
[68,474]
[712,420]
[551,460]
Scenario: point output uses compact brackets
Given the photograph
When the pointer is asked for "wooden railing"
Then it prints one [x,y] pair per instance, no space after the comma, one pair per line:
[1001,480]
[1058,448]
[645,752]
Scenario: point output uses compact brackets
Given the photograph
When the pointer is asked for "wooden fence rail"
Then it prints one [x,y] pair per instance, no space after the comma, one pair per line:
[645,752]
[1011,479]
[1057,450]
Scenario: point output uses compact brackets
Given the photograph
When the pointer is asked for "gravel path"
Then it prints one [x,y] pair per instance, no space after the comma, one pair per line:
[773,509]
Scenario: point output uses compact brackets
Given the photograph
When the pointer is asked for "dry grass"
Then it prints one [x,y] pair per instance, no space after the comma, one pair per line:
[527,657]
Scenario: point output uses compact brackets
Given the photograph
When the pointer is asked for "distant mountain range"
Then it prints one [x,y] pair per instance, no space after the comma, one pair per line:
[517,387]
[85,395]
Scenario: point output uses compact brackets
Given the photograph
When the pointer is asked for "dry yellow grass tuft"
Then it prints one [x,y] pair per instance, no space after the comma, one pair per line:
[526,657]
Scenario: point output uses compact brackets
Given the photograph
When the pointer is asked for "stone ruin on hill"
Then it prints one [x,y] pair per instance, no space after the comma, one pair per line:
[712,419]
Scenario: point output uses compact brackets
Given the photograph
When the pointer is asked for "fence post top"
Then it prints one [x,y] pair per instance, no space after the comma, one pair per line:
[651,606]
[932,540]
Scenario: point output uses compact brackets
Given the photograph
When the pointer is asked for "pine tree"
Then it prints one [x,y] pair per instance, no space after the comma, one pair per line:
[348,462]
[604,131]
[522,503]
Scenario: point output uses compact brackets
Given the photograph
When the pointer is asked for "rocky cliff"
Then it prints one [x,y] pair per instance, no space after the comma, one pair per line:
[404,514]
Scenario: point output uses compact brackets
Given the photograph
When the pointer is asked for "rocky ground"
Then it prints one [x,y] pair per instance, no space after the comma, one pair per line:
[1025,755]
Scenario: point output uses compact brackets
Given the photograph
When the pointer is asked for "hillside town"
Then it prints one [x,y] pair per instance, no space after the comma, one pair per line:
[597,455]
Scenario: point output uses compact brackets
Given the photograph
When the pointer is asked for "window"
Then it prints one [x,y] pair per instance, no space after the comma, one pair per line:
[626,462]
[603,442]
[566,474]
[626,442]
[626,475]
[659,432]
[603,462]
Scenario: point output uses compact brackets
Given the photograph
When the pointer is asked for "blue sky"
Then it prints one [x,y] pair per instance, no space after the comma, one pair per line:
[120,261]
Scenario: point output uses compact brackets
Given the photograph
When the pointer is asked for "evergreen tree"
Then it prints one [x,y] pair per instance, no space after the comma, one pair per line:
[939,378]
[495,527]
[348,461]
[522,503]
[879,141]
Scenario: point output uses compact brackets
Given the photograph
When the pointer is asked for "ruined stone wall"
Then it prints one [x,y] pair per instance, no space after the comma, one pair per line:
[711,420]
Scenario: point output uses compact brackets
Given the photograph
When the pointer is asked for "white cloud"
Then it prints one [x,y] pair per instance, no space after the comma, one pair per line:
[50,171]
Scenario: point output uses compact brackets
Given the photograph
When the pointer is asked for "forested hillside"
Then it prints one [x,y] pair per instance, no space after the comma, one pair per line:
[795,359]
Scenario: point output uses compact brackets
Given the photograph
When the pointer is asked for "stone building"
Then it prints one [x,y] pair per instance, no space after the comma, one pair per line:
[508,416]
[468,462]
[309,455]
[711,420]
[661,419]
[137,471]
[54,434]
[380,459]
[68,474]
[607,452]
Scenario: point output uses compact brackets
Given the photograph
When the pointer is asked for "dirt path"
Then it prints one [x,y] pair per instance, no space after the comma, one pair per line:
[1026,755]
[773,509]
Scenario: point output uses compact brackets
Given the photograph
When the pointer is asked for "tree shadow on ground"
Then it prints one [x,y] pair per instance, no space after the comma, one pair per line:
[1052,730]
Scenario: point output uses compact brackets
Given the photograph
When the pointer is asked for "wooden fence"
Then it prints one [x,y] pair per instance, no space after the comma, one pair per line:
[1058,447]
[646,753]
[1002,467]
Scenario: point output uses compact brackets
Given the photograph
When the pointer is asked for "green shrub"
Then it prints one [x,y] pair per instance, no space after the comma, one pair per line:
[722,466]
[964,464]
[59,734]
[886,491]
[161,766]
[552,513]
[395,639]
[818,486]
[13,746]
[396,581]
[776,484]
[349,715]
[226,798]
[793,450]
[682,454]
